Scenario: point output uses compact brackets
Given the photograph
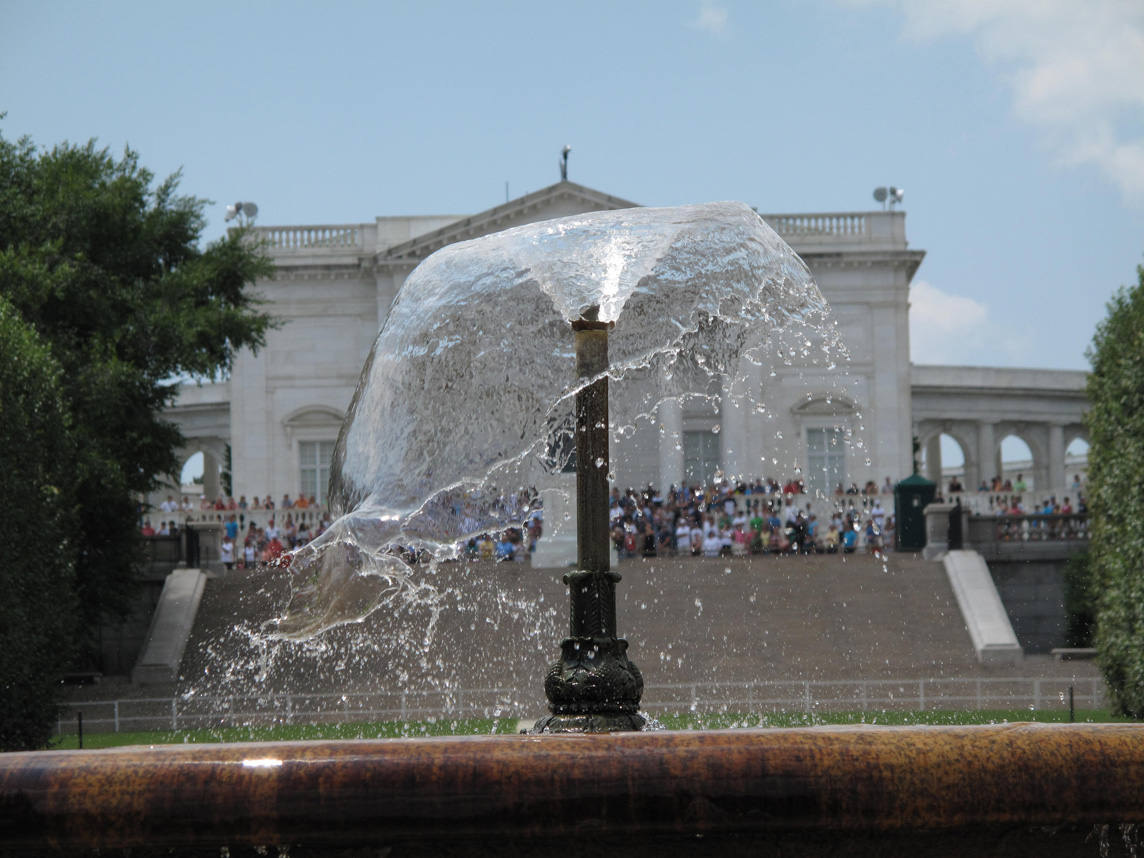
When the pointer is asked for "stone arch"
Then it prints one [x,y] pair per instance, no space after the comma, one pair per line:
[214,457]
[1075,433]
[1072,434]
[1036,437]
[964,434]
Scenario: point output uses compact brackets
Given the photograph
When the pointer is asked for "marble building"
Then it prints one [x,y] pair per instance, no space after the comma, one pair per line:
[280,411]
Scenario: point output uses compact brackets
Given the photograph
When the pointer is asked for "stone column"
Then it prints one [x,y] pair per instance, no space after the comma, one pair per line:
[1057,478]
[987,463]
[670,444]
[211,487]
[733,420]
[933,459]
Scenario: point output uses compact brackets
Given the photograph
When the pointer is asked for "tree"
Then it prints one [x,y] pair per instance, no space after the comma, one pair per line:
[37,577]
[106,268]
[1116,494]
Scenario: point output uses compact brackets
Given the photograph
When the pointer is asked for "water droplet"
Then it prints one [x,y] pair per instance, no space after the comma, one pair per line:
[716,428]
[599,461]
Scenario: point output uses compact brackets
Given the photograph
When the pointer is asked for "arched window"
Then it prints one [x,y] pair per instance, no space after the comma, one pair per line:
[825,421]
[313,430]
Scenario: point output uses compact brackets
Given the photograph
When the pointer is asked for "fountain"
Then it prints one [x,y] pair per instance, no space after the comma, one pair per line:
[516,332]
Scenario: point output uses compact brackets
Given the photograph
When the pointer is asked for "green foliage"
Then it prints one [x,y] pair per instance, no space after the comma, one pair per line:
[1116,493]
[37,576]
[1080,600]
[105,267]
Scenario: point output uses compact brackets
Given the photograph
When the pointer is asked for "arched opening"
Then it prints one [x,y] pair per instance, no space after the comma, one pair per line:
[1076,463]
[1016,464]
[192,473]
[200,474]
[943,461]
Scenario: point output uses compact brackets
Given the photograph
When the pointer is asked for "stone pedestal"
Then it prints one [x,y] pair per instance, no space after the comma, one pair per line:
[556,548]
[937,528]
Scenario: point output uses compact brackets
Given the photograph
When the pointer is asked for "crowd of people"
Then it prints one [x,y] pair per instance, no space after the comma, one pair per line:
[721,520]
[241,543]
[763,517]
[240,505]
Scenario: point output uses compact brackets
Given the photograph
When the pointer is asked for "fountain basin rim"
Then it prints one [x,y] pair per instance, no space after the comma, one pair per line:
[665,783]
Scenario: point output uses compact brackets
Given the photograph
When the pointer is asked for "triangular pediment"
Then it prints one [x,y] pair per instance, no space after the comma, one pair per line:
[560,200]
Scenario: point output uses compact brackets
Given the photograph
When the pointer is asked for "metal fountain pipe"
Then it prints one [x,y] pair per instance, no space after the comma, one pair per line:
[593,550]
[594,687]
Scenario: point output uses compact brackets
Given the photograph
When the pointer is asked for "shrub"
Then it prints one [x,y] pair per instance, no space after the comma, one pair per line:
[1116,494]
[37,577]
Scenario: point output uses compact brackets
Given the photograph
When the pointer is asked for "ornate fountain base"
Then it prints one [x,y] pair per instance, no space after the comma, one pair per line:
[594,687]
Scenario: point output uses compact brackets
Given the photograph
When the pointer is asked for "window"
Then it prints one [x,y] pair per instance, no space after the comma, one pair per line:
[315,458]
[702,457]
[825,459]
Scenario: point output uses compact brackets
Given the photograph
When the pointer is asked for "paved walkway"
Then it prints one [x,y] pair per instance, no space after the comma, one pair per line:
[497,626]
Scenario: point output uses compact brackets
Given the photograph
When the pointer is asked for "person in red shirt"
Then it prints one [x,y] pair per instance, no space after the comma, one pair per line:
[274,549]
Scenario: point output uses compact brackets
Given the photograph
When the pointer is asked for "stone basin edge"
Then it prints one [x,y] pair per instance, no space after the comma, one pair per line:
[857,779]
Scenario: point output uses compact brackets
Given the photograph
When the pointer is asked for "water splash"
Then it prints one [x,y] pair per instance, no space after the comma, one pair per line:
[463,406]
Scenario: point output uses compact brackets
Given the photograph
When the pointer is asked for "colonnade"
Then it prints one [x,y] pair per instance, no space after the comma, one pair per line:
[980,442]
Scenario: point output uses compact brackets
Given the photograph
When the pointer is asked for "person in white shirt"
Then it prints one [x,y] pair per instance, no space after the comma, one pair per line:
[683,536]
[169,505]
[791,513]
[226,553]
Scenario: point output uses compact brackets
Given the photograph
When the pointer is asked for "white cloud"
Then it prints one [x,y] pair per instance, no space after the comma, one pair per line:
[1076,70]
[953,329]
[712,17]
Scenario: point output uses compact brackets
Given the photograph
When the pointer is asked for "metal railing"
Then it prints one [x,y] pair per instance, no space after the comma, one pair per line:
[758,698]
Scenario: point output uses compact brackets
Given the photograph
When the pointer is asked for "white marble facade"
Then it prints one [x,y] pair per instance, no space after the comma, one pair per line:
[281,410]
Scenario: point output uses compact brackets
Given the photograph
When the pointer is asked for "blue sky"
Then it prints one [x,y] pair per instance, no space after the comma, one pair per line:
[1015,126]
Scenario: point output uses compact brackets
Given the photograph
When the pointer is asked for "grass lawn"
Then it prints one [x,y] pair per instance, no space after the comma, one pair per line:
[489,726]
